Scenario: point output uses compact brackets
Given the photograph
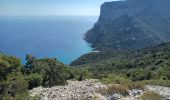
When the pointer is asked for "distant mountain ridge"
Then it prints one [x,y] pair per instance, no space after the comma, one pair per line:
[131,24]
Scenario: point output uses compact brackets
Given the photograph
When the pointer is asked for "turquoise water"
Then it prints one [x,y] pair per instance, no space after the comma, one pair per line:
[54,37]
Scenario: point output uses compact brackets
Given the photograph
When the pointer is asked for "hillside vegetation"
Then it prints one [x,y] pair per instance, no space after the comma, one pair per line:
[139,65]
[16,79]
[132,69]
[122,35]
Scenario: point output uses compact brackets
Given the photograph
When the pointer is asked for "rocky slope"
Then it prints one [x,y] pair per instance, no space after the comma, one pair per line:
[75,90]
[131,24]
[164,91]
[86,90]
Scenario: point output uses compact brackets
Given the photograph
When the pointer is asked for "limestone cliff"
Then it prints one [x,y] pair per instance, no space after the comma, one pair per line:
[131,24]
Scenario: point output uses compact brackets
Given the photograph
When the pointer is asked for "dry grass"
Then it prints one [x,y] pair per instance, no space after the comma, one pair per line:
[111,89]
[148,95]
[120,88]
[135,85]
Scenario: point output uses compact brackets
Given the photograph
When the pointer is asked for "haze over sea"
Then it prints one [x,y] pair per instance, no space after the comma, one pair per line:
[55,37]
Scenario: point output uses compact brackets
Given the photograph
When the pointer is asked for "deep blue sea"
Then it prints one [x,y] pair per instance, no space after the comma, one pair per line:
[54,37]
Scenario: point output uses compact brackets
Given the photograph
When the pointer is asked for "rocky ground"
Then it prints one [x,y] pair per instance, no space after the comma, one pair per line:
[75,90]
[164,91]
[86,90]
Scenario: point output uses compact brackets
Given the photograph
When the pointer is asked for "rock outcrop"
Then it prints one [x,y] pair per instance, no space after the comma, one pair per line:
[131,24]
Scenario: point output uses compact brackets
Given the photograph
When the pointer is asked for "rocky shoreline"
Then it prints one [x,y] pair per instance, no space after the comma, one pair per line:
[86,90]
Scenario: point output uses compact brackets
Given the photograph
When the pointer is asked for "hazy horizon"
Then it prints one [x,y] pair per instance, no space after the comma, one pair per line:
[45,37]
[50,7]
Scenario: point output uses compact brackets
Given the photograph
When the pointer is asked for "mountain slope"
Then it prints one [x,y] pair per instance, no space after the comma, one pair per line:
[145,64]
[131,24]
[160,51]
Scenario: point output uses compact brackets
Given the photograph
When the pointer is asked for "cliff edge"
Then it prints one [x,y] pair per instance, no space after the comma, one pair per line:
[131,24]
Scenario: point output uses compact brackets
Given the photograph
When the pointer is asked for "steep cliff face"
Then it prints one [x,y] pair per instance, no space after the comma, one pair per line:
[131,24]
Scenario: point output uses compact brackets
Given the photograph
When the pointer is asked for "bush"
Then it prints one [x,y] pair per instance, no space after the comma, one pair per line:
[14,86]
[8,64]
[140,74]
[55,73]
[52,71]
[117,79]
[148,95]
[157,82]
[81,78]
[12,83]
[34,80]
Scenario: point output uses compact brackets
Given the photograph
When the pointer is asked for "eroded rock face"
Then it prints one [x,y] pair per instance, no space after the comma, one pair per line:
[131,24]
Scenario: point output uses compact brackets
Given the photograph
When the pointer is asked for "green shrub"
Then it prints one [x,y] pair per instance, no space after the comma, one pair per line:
[14,86]
[157,82]
[52,72]
[81,77]
[12,83]
[117,79]
[34,80]
[55,73]
[8,64]
[140,74]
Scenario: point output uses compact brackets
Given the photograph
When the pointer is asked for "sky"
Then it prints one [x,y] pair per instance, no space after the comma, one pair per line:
[50,7]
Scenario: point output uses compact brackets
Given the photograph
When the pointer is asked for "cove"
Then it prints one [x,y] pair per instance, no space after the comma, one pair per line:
[58,37]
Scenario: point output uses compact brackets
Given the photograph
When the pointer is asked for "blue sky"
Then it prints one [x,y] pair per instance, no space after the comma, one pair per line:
[50,7]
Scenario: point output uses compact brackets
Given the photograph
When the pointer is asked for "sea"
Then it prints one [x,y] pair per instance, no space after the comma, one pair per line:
[58,37]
